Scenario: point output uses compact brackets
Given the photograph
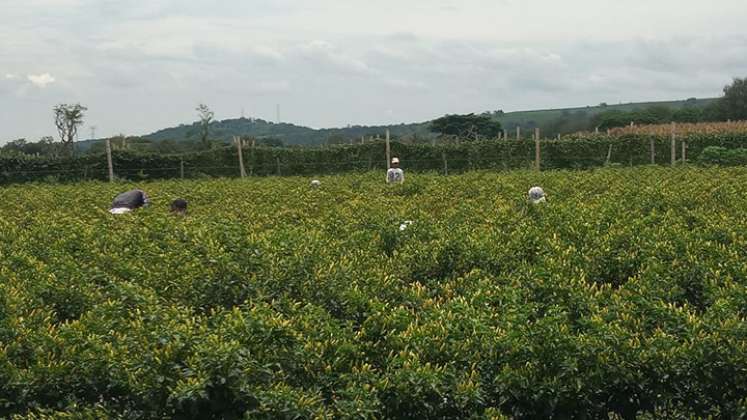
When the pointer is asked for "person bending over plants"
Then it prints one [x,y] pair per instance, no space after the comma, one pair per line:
[129,201]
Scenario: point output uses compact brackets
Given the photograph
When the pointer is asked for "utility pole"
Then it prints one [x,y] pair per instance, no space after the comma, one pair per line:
[277,114]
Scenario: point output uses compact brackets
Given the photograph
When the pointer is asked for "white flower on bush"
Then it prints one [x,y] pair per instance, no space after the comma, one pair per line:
[404,225]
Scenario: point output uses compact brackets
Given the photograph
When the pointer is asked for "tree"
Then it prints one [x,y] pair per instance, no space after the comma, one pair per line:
[68,118]
[612,119]
[734,102]
[270,142]
[468,126]
[688,115]
[15,146]
[206,117]
[335,139]
[46,146]
[714,111]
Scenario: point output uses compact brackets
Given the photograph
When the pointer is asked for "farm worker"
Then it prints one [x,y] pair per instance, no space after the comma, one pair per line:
[128,201]
[179,207]
[537,195]
[316,183]
[395,175]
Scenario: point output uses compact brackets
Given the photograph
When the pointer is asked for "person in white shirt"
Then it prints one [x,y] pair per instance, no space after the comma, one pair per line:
[395,175]
[537,195]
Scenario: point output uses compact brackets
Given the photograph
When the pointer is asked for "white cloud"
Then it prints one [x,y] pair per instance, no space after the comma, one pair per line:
[41,80]
[430,58]
[405,84]
[327,55]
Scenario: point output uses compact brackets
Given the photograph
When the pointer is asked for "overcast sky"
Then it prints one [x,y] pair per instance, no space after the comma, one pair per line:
[143,65]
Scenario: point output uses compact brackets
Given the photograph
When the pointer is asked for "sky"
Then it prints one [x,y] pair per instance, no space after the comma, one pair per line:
[139,66]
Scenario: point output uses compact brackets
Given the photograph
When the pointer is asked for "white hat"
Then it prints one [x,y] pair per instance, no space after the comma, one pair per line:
[395,160]
[537,195]
[316,183]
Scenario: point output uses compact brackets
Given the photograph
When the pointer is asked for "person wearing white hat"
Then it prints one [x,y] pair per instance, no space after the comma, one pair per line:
[537,195]
[316,184]
[395,175]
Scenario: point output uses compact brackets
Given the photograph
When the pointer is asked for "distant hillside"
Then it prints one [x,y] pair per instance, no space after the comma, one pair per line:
[571,120]
[290,134]
[551,121]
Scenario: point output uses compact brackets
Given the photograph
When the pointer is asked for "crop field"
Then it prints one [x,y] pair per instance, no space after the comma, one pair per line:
[624,296]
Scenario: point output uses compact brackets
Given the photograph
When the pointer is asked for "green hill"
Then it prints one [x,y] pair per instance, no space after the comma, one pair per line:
[571,120]
[290,134]
[550,121]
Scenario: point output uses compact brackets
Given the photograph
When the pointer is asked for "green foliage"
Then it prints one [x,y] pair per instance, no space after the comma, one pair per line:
[572,120]
[722,156]
[289,134]
[734,102]
[567,153]
[655,114]
[623,296]
[206,118]
[469,126]
[67,119]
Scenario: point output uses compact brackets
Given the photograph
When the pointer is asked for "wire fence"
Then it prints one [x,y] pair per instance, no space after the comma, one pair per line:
[247,160]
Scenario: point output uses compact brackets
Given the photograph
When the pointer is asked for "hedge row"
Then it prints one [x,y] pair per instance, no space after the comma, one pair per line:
[261,161]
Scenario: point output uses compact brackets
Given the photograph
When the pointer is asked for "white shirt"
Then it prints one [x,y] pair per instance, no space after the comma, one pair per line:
[120,210]
[395,175]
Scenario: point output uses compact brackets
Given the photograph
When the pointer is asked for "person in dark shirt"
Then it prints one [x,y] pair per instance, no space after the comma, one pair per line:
[128,201]
[179,206]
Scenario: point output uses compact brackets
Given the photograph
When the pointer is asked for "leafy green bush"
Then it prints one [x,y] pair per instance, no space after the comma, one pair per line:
[275,300]
[722,156]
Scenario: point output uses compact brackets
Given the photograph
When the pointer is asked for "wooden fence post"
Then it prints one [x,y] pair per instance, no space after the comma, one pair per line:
[109,160]
[388,152]
[277,161]
[609,155]
[251,159]
[537,148]
[653,151]
[181,168]
[674,144]
[684,152]
[518,132]
[241,156]
[596,130]
[446,166]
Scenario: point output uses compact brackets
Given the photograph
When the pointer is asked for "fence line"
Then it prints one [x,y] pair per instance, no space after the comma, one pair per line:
[548,154]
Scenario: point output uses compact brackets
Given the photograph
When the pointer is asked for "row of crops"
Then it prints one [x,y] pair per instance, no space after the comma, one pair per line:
[568,153]
[623,297]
